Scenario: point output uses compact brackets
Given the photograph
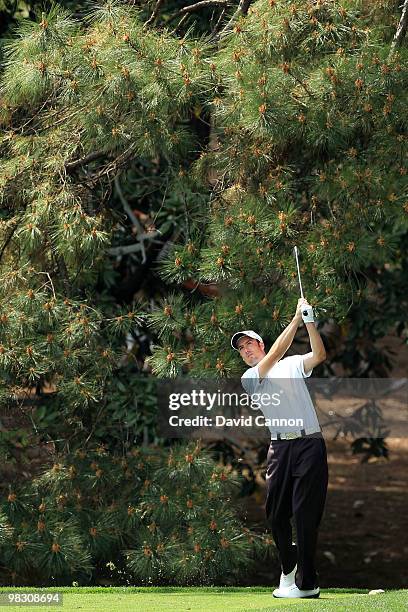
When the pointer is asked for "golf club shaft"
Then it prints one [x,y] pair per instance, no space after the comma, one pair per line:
[298,271]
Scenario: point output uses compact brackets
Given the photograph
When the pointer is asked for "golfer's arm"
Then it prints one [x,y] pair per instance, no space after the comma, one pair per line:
[278,348]
[317,346]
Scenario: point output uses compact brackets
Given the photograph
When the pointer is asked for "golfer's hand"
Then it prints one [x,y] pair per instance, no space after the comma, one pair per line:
[301,302]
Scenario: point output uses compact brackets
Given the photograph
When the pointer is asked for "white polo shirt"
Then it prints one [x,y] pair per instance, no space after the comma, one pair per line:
[285,378]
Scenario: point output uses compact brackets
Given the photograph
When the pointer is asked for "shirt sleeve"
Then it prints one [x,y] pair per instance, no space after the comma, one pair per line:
[301,365]
[294,366]
[249,379]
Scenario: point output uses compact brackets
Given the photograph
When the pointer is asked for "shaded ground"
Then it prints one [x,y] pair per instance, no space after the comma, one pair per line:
[363,537]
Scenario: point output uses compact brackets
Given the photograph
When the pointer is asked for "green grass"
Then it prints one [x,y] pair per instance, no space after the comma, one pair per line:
[211,599]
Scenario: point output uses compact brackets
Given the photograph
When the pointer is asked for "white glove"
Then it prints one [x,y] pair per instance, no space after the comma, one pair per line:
[307,314]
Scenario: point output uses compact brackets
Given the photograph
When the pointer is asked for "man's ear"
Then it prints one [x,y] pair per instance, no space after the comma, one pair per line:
[261,344]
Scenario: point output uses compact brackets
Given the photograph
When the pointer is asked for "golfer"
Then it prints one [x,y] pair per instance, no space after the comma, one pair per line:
[297,471]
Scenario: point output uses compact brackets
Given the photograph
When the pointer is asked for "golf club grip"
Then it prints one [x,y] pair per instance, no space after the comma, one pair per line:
[307,314]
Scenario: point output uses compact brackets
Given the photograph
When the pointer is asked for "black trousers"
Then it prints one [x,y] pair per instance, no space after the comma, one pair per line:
[296,479]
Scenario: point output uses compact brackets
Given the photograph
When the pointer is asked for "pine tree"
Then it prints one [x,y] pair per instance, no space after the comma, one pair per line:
[79,105]
[157,517]
[307,146]
[311,136]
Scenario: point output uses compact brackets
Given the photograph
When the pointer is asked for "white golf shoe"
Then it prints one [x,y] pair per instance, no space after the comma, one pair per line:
[286,580]
[292,591]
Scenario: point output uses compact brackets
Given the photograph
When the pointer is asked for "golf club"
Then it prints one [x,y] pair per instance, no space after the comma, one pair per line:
[295,250]
[307,311]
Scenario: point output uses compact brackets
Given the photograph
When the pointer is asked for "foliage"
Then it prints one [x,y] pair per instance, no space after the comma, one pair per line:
[311,146]
[161,515]
[289,128]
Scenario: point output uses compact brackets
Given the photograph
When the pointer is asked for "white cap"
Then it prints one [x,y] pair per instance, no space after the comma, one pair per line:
[245,332]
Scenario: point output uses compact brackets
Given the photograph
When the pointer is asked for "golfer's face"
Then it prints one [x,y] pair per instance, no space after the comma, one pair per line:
[250,350]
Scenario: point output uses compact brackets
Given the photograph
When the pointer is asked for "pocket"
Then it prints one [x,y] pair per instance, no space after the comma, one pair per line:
[271,463]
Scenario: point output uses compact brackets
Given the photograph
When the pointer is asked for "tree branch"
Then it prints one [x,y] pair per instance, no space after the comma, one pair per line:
[187,10]
[63,272]
[202,4]
[135,221]
[241,10]
[217,25]
[114,165]
[9,237]
[133,248]
[84,160]
[155,13]
[182,20]
[401,30]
